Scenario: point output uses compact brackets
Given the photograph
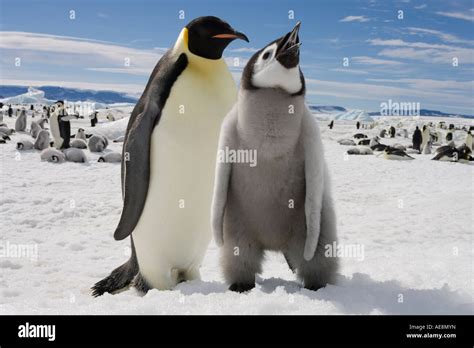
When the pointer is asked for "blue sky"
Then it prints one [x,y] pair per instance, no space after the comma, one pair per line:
[405,60]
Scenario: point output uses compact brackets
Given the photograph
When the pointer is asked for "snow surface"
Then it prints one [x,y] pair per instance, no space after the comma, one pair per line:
[413,218]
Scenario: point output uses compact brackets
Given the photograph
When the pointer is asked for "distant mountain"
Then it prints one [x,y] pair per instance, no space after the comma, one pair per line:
[326,109]
[70,94]
[433,113]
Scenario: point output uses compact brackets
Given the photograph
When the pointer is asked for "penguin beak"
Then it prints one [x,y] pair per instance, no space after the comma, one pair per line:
[288,50]
[233,35]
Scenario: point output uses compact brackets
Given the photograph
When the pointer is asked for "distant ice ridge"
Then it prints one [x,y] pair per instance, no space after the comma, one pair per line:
[345,115]
[354,115]
[33,96]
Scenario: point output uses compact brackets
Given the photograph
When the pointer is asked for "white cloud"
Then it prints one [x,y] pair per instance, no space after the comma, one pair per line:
[420,7]
[350,71]
[374,61]
[79,51]
[459,15]
[432,53]
[442,35]
[381,92]
[429,84]
[355,19]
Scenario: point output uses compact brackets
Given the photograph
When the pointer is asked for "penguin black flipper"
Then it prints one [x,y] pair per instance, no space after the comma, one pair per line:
[65,132]
[136,148]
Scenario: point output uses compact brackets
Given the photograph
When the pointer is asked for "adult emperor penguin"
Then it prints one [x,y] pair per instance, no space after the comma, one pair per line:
[425,136]
[468,140]
[60,125]
[283,202]
[168,160]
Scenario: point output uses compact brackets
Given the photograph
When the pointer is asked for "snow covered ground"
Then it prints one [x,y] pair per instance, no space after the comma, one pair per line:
[414,220]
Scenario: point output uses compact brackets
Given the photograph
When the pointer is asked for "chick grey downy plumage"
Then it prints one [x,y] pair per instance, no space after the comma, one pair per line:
[97,143]
[20,123]
[284,202]
[42,140]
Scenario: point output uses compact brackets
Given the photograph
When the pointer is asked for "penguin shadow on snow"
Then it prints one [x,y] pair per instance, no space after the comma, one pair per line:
[362,294]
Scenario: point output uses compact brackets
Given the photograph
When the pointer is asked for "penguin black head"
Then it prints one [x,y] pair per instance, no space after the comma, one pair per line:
[209,36]
[277,65]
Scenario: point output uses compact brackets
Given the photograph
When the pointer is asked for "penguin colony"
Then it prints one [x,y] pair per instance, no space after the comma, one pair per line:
[55,143]
[427,139]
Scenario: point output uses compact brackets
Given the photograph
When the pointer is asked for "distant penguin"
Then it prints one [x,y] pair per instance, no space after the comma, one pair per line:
[37,126]
[42,140]
[93,118]
[7,131]
[425,136]
[417,139]
[346,142]
[97,143]
[331,124]
[79,144]
[119,139]
[427,148]
[24,145]
[112,157]
[374,141]
[53,155]
[4,136]
[75,155]
[20,123]
[399,147]
[449,136]
[10,111]
[392,132]
[447,153]
[395,154]
[464,152]
[359,151]
[60,125]
[383,133]
[110,117]
[358,125]
[364,142]
[81,134]
[360,136]
[468,140]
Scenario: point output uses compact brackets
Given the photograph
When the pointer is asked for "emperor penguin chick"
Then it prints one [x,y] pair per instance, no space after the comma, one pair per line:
[282,201]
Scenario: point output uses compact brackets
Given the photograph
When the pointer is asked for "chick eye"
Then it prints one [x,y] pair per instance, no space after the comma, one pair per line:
[266,55]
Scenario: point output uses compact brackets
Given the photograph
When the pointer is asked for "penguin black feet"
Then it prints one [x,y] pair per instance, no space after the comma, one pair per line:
[241,287]
[141,285]
[120,278]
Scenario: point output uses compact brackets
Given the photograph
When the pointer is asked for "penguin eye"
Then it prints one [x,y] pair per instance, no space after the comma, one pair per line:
[266,55]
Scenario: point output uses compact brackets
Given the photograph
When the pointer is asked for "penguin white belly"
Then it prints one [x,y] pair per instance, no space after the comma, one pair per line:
[54,126]
[173,232]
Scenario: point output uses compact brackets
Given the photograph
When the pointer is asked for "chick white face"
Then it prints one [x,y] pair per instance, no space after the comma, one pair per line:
[276,65]
[270,73]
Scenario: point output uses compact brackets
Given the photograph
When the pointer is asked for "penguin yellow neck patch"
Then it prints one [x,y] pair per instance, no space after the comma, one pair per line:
[185,37]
